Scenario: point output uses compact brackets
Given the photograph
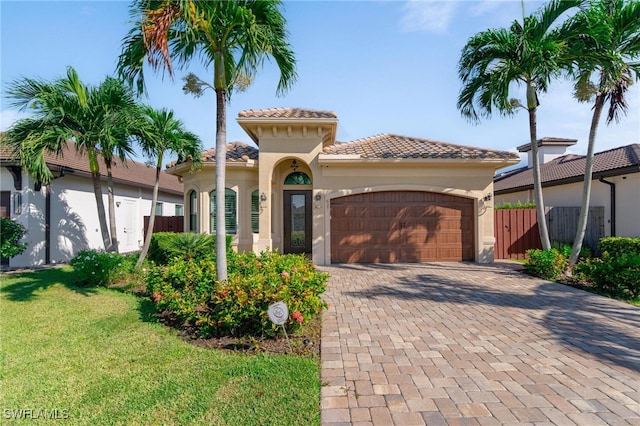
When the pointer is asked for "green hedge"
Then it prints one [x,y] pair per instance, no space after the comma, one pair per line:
[616,273]
[518,205]
[617,276]
[547,264]
[618,246]
[166,245]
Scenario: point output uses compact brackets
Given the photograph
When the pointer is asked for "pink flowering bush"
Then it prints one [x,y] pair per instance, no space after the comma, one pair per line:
[188,291]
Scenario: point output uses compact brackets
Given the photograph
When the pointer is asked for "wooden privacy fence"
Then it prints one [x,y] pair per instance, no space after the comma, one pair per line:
[165,224]
[516,230]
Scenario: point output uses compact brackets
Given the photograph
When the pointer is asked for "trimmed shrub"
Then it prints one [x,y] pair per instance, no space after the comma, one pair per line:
[547,264]
[616,276]
[565,250]
[188,245]
[618,246]
[11,232]
[189,292]
[97,268]
[158,247]
[518,205]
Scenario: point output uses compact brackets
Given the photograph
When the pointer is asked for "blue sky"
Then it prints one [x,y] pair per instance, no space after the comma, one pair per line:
[382,66]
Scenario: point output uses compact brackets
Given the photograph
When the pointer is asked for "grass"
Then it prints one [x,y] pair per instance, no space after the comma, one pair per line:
[97,356]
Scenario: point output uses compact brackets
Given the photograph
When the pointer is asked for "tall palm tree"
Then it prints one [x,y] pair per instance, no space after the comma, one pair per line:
[608,62]
[121,120]
[232,36]
[164,134]
[65,110]
[530,53]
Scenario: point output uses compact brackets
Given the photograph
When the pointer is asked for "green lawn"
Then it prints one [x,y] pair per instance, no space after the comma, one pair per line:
[97,357]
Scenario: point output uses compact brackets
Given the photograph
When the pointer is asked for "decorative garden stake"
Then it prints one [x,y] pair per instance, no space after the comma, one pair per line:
[278,314]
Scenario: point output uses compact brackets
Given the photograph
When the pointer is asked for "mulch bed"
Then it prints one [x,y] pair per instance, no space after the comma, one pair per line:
[305,343]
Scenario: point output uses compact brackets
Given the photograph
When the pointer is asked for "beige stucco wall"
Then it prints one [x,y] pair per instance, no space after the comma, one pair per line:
[277,151]
[241,178]
[332,178]
[465,181]
[627,201]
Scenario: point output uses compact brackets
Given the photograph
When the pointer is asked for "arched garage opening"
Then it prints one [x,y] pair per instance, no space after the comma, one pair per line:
[401,226]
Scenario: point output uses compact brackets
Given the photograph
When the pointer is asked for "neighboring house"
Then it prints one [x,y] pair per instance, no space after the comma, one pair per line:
[386,198]
[64,220]
[615,186]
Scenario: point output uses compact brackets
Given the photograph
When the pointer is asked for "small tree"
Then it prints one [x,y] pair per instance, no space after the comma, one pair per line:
[11,232]
[161,134]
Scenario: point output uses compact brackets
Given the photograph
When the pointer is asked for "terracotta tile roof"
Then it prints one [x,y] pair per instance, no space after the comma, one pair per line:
[549,141]
[236,152]
[132,172]
[395,146]
[286,113]
[571,168]
[5,151]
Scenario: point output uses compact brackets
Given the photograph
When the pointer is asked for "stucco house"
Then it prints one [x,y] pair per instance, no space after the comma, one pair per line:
[386,198]
[64,220]
[615,186]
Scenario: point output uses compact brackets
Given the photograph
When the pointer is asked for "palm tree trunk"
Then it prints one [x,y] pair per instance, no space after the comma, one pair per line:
[586,186]
[112,209]
[97,192]
[152,215]
[532,105]
[221,165]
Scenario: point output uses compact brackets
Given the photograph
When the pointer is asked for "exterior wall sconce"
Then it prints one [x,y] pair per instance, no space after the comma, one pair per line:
[294,165]
[488,197]
[318,197]
[263,196]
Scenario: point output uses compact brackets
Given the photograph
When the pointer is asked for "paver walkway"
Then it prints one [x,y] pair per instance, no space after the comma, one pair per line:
[449,343]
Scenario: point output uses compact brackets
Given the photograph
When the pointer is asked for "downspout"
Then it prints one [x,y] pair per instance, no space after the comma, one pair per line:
[613,204]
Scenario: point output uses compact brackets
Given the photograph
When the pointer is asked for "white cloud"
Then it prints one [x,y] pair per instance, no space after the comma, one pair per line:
[429,16]
[8,117]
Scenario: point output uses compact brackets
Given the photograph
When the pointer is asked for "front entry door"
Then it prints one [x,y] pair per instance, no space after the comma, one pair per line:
[297,222]
[128,237]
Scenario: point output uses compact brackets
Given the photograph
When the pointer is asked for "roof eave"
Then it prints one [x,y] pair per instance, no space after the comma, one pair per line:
[76,172]
[248,123]
[352,159]
[185,168]
[572,179]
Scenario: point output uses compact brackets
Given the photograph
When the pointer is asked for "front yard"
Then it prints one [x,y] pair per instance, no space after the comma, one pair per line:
[98,356]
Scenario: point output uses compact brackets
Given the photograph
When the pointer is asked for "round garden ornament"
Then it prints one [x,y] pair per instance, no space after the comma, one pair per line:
[278,313]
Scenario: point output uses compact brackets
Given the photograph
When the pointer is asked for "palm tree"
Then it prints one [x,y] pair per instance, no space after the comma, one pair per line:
[65,110]
[529,54]
[164,134]
[122,119]
[233,36]
[609,53]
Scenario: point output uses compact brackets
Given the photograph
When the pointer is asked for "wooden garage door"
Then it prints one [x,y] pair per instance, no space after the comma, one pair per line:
[401,226]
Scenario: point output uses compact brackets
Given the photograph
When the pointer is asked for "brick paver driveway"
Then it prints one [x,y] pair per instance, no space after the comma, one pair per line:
[450,343]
